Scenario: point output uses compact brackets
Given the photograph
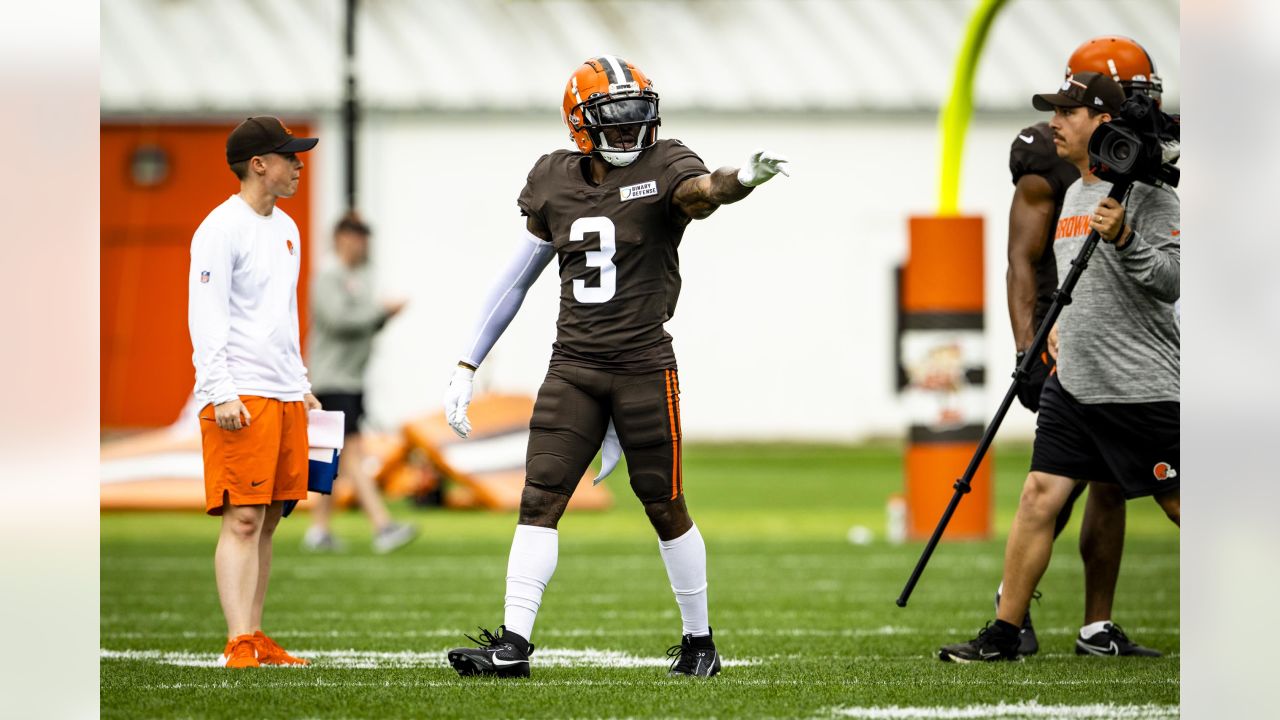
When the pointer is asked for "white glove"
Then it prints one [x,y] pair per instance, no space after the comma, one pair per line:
[761,166]
[456,400]
[611,451]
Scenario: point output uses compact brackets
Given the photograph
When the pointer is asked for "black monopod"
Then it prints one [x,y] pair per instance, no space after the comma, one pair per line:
[1061,298]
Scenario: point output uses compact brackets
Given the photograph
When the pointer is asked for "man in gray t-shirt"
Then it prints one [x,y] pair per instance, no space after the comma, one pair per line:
[1111,411]
[345,317]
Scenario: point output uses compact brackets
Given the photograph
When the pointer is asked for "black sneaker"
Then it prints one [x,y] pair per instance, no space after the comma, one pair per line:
[1112,641]
[504,655]
[993,643]
[1027,642]
[695,657]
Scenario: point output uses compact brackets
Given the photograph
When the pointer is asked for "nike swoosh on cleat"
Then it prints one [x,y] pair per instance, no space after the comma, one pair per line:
[500,662]
[1111,649]
[1026,139]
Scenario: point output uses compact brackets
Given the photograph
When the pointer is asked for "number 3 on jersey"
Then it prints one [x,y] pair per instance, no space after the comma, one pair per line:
[602,258]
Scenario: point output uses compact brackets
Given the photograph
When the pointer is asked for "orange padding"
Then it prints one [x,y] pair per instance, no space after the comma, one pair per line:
[932,469]
[148,443]
[179,484]
[161,493]
[410,463]
[944,270]
[492,417]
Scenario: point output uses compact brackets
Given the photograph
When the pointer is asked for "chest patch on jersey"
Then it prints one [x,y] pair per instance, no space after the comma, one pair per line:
[644,189]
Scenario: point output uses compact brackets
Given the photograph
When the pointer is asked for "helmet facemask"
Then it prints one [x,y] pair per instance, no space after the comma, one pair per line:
[626,113]
[1151,87]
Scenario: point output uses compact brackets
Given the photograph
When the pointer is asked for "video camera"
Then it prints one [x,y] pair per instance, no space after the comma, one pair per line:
[1140,144]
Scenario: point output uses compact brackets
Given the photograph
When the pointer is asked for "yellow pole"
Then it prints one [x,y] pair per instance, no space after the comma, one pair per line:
[959,107]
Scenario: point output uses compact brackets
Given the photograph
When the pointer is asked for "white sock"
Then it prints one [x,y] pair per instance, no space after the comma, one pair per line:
[1092,629]
[686,561]
[529,568]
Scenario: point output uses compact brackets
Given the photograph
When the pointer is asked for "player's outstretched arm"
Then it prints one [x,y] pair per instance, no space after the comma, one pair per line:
[698,197]
[533,252]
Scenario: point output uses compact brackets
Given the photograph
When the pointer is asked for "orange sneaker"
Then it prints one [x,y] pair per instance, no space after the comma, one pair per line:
[241,652]
[270,652]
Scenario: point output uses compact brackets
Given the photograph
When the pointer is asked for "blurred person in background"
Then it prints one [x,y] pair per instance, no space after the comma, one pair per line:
[1041,179]
[614,211]
[251,384]
[345,317]
[1110,412]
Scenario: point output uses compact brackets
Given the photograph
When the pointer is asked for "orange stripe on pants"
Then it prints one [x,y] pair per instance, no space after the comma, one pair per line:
[675,383]
[675,439]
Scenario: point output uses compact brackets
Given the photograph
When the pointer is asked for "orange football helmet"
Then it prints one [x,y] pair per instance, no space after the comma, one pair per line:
[608,93]
[1121,58]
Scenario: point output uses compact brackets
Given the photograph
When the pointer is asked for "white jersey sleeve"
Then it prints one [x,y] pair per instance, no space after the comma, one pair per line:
[208,314]
[303,378]
[531,256]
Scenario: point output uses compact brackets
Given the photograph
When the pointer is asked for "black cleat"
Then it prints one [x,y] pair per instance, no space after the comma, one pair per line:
[1112,642]
[1027,642]
[695,657]
[993,643]
[504,655]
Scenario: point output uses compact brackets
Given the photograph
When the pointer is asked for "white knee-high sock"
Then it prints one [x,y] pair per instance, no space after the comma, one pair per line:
[530,566]
[686,561]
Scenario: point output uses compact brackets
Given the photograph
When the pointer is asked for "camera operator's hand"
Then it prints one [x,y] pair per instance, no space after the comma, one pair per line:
[1108,220]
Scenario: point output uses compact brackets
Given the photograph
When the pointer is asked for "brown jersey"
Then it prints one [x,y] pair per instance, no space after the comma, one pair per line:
[617,244]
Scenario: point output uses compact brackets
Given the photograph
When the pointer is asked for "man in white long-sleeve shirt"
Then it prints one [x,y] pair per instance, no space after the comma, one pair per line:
[250,381]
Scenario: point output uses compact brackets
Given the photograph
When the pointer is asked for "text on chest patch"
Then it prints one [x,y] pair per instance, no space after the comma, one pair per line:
[644,189]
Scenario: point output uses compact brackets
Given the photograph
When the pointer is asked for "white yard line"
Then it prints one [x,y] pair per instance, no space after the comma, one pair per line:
[1015,711]
[365,659]
[317,682]
[885,631]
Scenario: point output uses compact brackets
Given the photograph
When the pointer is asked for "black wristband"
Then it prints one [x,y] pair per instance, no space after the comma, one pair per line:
[1121,243]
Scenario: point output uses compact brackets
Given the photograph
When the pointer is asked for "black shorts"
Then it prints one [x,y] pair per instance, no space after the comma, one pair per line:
[352,406]
[1133,445]
[572,414]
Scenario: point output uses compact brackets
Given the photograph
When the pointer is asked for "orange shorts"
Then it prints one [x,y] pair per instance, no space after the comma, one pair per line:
[258,464]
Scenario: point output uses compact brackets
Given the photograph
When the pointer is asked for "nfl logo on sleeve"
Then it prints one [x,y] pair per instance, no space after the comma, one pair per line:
[204,276]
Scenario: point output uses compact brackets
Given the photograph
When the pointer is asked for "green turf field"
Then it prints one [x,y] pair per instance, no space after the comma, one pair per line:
[805,620]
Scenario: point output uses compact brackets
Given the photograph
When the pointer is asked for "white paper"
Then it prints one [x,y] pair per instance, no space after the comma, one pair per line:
[610,453]
[325,430]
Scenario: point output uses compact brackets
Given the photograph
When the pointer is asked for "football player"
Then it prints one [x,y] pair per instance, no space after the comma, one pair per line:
[613,211]
[1041,179]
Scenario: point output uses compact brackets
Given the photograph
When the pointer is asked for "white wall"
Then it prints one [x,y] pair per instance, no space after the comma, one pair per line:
[784,328]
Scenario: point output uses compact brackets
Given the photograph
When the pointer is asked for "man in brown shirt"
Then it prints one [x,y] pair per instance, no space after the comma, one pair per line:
[613,212]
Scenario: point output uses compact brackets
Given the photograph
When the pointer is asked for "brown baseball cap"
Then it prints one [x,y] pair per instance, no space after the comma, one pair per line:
[261,135]
[1083,89]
